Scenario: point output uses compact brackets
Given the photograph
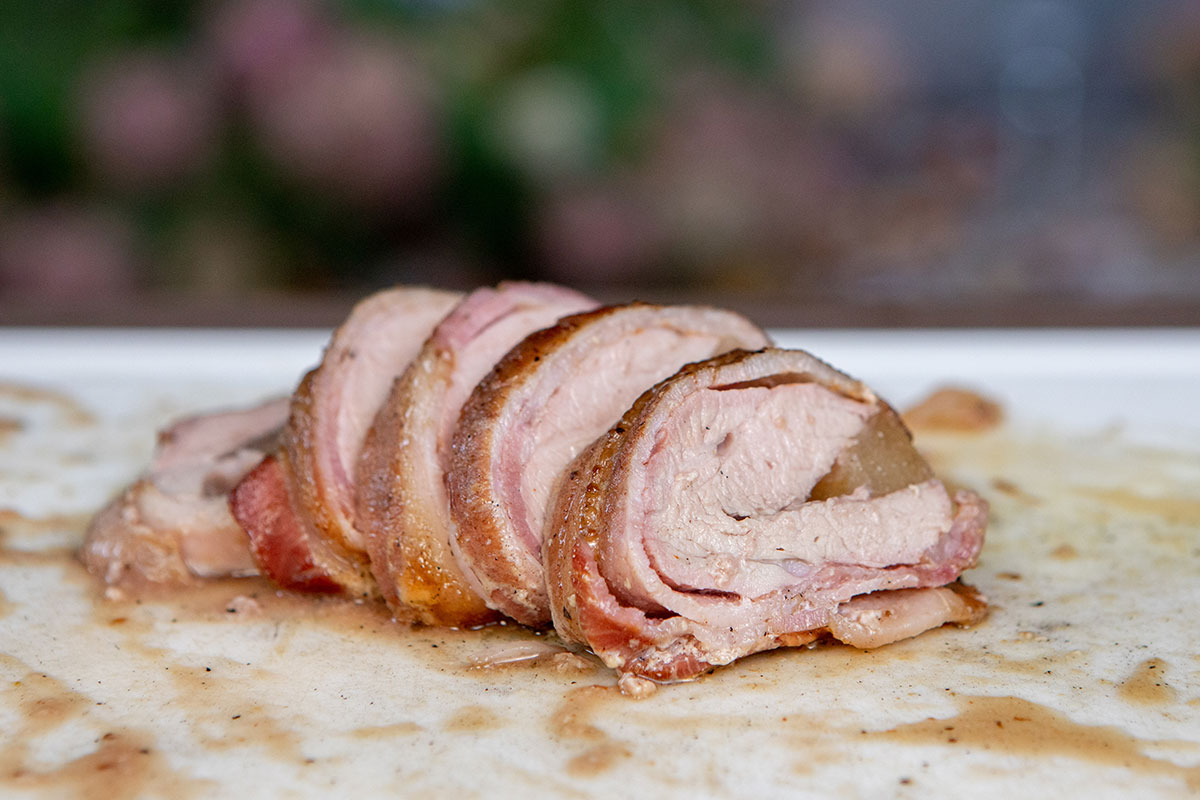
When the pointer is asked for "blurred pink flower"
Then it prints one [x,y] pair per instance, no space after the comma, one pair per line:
[147,119]
[66,251]
[598,234]
[359,123]
[259,44]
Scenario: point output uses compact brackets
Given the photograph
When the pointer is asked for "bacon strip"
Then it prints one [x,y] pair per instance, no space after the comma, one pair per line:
[298,507]
[547,400]
[736,507]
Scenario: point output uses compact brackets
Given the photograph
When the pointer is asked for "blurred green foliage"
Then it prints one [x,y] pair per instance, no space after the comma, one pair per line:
[842,150]
[621,52]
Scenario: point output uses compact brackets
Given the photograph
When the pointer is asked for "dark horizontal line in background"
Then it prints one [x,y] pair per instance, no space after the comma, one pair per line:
[324,310]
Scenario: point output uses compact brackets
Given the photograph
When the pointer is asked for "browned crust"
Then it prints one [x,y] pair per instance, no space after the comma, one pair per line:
[480,520]
[346,566]
[354,335]
[574,551]
[575,523]
[321,524]
[622,639]
[373,497]
[417,575]
[483,530]
[577,519]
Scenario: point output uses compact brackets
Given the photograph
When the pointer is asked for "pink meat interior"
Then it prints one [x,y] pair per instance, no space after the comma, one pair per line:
[725,505]
[575,402]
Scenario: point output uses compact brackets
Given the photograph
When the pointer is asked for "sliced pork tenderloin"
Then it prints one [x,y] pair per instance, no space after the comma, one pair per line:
[173,525]
[402,498]
[547,400]
[298,506]
[753,501]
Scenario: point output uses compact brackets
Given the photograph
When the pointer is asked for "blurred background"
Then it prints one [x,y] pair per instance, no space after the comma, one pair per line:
[811,163]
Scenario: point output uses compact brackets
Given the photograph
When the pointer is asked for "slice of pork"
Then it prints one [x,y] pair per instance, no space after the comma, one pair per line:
[403,503]
[298,506]
[173,525]
[746,503]
[547,400]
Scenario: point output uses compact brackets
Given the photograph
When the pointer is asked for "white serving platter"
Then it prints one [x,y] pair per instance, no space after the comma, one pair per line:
[1085,679]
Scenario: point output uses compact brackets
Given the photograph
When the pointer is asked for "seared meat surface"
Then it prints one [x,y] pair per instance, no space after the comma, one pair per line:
[736,507]
[547,400]
[299,506]
[656,482]
[403,503]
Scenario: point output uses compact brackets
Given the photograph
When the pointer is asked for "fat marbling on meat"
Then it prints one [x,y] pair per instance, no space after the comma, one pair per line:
[402,497]
[173,524]
[542,404]
[753,501]
[298,505]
